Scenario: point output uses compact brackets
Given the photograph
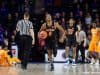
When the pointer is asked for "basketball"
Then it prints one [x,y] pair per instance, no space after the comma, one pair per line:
[42,35]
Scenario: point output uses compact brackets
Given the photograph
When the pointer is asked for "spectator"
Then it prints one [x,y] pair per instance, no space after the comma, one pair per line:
[97,21]
[70,15]
[57,16]
[9,23]
[63,23]
[77,11]
[88,20]
[3,13]
[16,17]
[94,6]
[1,36]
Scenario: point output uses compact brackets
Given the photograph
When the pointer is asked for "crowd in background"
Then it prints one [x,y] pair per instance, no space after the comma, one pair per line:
[84,12]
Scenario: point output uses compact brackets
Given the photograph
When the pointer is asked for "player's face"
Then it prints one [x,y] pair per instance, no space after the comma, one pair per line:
[26,18]
[94,25]
[71,21]
[48,17]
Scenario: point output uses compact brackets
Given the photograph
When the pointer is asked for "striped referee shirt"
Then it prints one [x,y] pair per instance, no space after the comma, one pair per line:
[24,26]
[80,36]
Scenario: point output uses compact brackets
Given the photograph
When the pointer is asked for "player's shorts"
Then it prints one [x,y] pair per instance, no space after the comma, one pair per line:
[92,46]
[50,43]
[98,48]
[71,42]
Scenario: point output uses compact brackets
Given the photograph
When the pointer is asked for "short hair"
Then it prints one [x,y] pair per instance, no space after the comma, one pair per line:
[26,14]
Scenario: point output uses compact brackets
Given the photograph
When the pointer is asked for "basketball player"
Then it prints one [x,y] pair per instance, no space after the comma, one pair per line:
[93,44]
[50,26]
[70,41]
[97,60]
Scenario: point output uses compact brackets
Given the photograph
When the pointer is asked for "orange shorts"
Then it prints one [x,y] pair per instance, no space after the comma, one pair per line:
[98,47]
[92,46]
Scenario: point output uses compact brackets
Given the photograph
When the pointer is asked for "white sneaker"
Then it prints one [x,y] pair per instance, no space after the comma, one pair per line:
[73,63]
[67,62]
[92,61]
[97,62]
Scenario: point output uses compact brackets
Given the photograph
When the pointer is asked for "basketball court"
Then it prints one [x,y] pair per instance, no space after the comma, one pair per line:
[43,69]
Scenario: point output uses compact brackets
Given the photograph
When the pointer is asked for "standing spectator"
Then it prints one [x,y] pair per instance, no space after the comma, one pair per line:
[88,20]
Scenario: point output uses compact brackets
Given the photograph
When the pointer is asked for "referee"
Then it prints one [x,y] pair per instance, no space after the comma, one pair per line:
[25,29]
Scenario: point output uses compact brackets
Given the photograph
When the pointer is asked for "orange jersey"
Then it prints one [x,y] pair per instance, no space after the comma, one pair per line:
[94,40]
[98,43]
[98,47]
[6,60]
[94,35]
